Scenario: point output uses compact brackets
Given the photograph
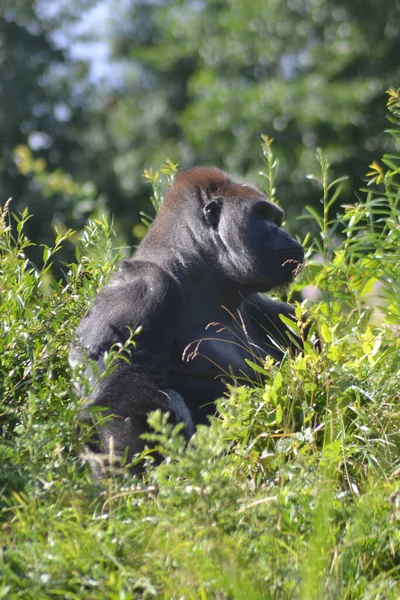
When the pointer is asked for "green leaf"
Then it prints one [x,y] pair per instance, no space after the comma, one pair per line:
[290,324]
[325,333]
[256,367]
[278,414]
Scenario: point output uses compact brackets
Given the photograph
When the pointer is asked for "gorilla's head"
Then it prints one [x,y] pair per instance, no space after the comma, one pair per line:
[227,228]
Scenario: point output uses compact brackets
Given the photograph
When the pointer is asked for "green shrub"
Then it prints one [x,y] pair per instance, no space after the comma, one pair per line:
[293,492]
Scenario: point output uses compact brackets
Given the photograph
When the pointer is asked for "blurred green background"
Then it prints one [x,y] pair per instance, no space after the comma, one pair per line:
[92,93]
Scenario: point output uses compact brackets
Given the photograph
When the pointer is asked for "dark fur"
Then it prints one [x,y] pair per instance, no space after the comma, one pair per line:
[213,246]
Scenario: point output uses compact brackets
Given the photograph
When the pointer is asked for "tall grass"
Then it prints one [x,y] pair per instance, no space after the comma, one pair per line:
[292,493]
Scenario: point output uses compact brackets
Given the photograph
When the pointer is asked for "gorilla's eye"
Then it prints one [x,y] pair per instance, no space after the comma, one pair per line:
[278,218]
[269,212]
[263,211]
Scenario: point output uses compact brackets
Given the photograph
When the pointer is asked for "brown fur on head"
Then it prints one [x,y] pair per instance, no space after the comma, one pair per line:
[212,181]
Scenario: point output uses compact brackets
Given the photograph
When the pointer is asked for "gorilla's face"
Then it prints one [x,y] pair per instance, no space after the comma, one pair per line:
[255,251]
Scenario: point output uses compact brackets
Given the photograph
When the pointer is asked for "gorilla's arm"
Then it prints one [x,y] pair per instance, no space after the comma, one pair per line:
[266,329]
[140,294]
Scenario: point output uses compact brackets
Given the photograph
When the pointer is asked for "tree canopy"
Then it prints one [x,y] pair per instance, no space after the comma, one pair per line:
[197,82]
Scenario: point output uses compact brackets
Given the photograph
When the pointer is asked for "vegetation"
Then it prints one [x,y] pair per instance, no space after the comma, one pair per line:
[196,81]
[292,492]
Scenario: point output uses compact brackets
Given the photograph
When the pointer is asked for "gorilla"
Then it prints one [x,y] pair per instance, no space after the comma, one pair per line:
[193,287]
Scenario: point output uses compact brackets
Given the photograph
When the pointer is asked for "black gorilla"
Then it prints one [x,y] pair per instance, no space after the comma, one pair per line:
[193,286]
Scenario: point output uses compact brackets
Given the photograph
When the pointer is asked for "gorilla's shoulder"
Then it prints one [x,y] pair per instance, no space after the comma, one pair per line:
[139,294]
[144,279]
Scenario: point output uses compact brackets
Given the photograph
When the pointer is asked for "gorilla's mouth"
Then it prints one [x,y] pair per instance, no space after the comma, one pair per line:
[291,255]
[294,252]
[292,261]
[292,266]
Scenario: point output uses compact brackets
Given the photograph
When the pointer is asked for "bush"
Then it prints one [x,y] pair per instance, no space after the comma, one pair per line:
[293,492]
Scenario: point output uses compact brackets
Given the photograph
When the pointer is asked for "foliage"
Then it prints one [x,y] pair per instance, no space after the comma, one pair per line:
[41,108]
[200,81]
[292,492]
[103,97]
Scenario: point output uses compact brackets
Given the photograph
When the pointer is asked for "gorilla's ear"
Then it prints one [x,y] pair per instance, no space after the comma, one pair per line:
[211,212]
